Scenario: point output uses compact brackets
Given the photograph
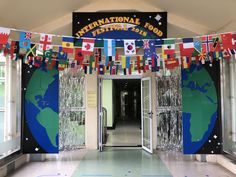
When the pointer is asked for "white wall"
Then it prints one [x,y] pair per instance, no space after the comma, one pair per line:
[107,101]
[91,127]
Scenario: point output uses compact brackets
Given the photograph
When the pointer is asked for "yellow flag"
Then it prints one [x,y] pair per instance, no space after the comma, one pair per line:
[123,62]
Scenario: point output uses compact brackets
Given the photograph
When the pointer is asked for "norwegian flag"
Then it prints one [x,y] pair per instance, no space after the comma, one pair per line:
[45,42]
[207,44]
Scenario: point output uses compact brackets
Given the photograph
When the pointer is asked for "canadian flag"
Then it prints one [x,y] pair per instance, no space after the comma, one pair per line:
[4,35]
[88,46]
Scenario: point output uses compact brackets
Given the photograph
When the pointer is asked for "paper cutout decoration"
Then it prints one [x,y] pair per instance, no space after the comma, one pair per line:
[4,35]
[25,40]
[45,42]
[129,47]
[88,46]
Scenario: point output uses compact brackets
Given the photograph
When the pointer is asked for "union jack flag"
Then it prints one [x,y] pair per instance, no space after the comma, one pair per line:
[27,35]
[146,44]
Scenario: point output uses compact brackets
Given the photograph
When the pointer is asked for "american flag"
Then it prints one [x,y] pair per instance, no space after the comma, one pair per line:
[27,35]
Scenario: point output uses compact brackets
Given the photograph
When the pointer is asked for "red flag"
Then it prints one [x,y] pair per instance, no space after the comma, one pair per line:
[138,64]
[4,35]
[14,49]
[234,40]
[171,63]
[97,55]
[117,55]
[227,41]
[79,57]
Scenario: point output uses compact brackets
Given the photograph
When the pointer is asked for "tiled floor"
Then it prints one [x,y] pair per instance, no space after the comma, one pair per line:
[125,134]
[118,162]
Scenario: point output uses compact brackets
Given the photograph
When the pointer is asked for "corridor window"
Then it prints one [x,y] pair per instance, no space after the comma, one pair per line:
[228,69]
[10,106]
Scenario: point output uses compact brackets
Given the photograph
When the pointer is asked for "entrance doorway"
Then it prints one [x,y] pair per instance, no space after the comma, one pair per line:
[125,129]
[125,113]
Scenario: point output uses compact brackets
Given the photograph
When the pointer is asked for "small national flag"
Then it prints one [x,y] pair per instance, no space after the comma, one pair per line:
[30,53]
[88,46]
[62,64]
[186,62]
[109,47]
[187,47]
[38,61]
[207,44]
[226,54]
[171,63]
[79,57]
[169,46]
[97,55]
[197,48]
[234,40]
[25,38]
[14,50]
[47,54]
[149,48]
[227,41]
[91,64]
[139,64]
[129,47]
[68,44]
[45,42]
[101,69]
[117,55]
[216,45]
[62,55]
[4,35]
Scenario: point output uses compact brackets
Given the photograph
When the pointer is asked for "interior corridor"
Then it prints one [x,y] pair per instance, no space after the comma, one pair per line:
[126,133]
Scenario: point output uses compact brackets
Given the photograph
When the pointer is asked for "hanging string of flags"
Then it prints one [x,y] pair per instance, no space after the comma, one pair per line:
[156,54]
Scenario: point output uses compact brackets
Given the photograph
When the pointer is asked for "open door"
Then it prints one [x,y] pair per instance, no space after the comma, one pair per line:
[146,111]
[100,116]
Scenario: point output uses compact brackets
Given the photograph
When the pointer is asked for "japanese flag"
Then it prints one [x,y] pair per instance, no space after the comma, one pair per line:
[129,47]
[88,46]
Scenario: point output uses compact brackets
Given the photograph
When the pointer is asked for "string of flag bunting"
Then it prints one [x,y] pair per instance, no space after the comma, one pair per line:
[156,54]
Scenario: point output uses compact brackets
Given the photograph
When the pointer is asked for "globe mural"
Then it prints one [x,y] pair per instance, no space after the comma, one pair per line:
[200,107]
[41,108]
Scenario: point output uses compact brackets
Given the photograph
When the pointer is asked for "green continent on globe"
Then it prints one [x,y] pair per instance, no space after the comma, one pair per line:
[36,89]
[200,100]
[49,120]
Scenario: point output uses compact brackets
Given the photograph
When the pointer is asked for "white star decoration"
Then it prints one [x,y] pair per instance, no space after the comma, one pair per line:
[36,149]
[158,17]
[215,136]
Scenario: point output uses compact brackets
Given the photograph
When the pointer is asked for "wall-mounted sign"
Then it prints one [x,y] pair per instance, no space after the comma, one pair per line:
[120,25]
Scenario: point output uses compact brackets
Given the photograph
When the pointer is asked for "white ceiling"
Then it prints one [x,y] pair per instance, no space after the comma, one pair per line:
[185,18]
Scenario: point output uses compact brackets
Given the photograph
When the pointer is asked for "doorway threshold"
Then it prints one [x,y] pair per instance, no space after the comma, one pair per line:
[125,146]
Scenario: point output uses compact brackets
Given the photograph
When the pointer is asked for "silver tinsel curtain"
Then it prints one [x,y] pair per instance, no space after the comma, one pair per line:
[72,110]
[169,112]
